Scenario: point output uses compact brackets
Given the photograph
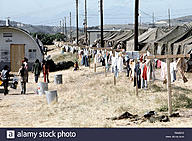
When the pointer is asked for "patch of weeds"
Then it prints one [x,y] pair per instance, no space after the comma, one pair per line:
[184,90]
[64,57]
[179,101]
[182,101]
[163,108]
[156,88]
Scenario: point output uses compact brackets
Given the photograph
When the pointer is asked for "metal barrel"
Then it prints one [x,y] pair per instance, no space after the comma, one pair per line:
[58,79]
[51,96]
[42,87]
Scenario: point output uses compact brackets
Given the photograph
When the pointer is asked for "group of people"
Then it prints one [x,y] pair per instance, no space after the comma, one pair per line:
[37,68]
[24,75]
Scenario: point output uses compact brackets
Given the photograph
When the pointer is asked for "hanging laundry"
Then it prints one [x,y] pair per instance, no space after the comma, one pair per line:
[149,70]
[143,75]
[103,61]
[116,72]
[132,66]
[127,60]
[120,64]
[137,75]
[173,69]
[114,63]
[159,64]
[163,70]
[181,65]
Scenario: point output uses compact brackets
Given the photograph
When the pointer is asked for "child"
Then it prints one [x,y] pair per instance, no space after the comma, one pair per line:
[76,66]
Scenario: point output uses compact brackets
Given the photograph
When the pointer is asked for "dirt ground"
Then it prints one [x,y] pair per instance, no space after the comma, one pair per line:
[87,99]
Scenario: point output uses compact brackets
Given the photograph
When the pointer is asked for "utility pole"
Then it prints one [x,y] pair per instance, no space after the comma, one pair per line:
[101,12]
[140,21]
[169,13]
[65,27]
[60,26]
[70,29]
[86,39]
[153,19]
[136,25]
[77,21]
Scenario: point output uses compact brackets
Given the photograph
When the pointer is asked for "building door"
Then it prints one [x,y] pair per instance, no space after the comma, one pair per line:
[17,53]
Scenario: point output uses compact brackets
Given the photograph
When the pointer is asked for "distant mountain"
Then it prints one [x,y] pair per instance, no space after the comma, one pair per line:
[176,21]
[56,29]
[36,28]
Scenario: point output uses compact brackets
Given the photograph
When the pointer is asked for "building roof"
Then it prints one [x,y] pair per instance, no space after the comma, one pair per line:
[111,30]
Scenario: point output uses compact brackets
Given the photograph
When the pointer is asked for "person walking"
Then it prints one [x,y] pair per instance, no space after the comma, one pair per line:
[36,70]
[23,78]
[5,78]
[46,71]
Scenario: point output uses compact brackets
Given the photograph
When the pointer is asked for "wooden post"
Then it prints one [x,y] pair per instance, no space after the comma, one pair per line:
[169,83]
[153,65]
[105,72]
[136,25]
[169,13]
[66,27]
[95,65]
[101,16]
[86,38]
[136,90]
[77,21]
[70,29]
[115,80]
[89,60]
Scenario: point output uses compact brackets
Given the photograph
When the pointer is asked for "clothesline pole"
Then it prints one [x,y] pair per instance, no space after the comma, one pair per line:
[136,90]
[95,65]
[105,72]
[169,87]
[169,83]
[115,79]
[89,60]
[153,65]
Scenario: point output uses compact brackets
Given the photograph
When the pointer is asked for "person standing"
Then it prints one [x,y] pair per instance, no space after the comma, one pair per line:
[25,62]
[23,78]
[5,78]
[46,71]
[36,70]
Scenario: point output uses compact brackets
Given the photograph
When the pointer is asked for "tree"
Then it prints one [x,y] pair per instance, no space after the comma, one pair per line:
[47,39]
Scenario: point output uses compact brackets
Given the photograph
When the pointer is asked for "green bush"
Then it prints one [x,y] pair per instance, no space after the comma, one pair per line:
[47,39]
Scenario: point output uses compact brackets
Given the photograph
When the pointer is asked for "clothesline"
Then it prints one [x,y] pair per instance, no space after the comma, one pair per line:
[106,48]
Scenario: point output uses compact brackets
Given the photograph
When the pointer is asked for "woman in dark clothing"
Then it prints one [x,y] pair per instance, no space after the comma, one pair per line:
[36,70]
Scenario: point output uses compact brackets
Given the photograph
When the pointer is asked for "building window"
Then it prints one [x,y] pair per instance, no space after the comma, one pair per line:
[7,35]
[4,55]
[32,54]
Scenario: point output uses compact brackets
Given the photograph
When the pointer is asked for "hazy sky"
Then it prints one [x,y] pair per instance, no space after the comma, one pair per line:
[49,12]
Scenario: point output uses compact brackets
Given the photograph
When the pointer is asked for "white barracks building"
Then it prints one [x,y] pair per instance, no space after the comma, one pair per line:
[15,44]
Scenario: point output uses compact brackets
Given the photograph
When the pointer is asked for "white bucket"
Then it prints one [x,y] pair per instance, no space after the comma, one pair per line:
[42,87]
[51,96]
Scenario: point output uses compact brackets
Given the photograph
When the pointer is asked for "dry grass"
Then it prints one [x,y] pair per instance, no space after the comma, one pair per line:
[86,99]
